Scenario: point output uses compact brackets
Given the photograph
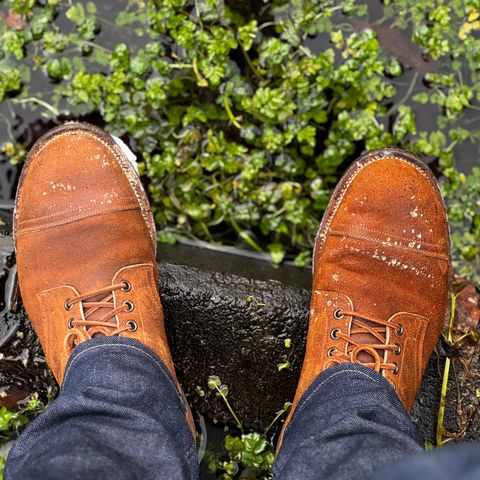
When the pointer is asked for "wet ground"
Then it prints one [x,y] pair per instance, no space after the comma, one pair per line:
[22,364]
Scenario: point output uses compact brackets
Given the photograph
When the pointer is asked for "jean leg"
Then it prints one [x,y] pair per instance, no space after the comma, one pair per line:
[460,462]
[348,424]
[119,416]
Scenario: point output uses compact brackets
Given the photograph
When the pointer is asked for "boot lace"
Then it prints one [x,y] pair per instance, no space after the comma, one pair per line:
[376,349]
[90,304]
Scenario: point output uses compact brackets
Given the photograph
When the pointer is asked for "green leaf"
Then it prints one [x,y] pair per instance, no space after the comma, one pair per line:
[214,382]
[254,443]
[277,252]
[76,13]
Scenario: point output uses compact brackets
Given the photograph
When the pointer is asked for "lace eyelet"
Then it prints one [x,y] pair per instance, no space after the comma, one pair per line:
[398,350]
[331,351]
[68,305]
[70,323]
[395,369]
[129,306]
[127,286]
[400,330]
[133,326]
[336,314]
[334,332]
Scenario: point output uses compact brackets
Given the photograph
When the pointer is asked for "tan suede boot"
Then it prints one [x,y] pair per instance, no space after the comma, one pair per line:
[381,272]
[86,246]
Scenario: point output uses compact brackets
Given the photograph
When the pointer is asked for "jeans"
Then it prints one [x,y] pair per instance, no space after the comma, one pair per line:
[119,416]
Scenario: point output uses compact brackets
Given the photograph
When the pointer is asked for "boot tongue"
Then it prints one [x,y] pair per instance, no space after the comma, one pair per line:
[367,339]
[97,313]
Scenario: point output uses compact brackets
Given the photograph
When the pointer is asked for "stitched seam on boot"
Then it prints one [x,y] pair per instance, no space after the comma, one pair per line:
[124,164]
[73,210]
[74,218]
[386,245]
[351,178]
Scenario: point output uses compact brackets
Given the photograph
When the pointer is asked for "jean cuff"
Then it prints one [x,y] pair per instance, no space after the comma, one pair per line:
[100,346]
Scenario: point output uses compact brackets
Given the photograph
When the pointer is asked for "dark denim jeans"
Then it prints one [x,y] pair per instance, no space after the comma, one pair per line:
[351,424]
[120,417]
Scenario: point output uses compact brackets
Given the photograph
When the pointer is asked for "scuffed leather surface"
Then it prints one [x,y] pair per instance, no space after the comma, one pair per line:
[79,227]
[383,249]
